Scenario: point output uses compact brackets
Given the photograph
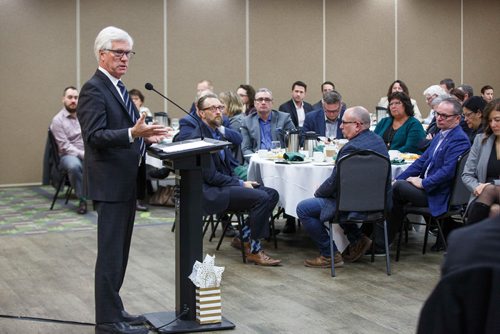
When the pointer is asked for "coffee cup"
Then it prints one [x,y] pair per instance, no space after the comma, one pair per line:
[330,152]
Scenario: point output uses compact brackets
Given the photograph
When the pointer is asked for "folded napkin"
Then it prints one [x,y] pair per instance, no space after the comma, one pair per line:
[293,156]
[398,161]
[319,148]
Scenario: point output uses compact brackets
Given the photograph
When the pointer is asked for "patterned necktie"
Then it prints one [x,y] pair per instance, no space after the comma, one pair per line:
[130,109]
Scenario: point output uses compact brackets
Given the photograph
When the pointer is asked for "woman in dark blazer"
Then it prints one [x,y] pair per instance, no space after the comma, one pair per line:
[483,166]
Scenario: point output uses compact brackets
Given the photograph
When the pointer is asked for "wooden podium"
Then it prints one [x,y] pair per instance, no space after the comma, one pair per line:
[187,159]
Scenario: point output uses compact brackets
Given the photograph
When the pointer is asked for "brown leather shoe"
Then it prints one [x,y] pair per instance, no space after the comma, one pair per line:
[262,259]
[236,243]
[357,250]
[325,262]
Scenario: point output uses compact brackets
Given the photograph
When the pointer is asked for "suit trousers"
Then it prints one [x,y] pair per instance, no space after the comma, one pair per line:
[403,192]
[115,222]
[260,202]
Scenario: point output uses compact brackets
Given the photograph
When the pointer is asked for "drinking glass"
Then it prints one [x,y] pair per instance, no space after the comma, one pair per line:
[175,124]
[276,147]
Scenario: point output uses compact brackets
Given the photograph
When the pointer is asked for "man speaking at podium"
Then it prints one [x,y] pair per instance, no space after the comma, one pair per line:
[115,139]
[223,191]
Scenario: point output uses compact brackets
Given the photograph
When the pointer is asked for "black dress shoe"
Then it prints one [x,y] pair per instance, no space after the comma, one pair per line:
[160,173]
[133,319]
[82,207]
[119,328]
[289,226]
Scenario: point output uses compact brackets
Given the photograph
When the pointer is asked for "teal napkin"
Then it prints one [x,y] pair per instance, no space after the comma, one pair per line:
[398,161]
[293,156]
[319,148]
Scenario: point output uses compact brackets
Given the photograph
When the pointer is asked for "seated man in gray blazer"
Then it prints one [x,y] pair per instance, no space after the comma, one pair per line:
[266,125]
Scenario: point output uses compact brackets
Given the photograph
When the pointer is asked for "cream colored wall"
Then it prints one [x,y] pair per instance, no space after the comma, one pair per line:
[207,38]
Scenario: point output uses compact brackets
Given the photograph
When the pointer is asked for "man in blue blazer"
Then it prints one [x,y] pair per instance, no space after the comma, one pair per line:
[313,212]
[427,182]
[222,190]
[114,137]
[266,125]
[296,106]
[326,121]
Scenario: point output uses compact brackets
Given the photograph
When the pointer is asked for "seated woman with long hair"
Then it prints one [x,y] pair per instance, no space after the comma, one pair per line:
[399,86]
[481,174]
[401,130]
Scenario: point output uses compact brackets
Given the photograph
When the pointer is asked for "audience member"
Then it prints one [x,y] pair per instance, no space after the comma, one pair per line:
[266,125]
[468,91]
[326,121]
[447,84]
[458,94]
[68,135]
[296,106]
[427,182]
[313,212]
[430,94]
[203,85]
[247,94]
[482,169]
[399,86]
[222,190]
[487,93]
[401,130]
[326,86]
[114,135]
[233,109]
[138,99]
[473,115]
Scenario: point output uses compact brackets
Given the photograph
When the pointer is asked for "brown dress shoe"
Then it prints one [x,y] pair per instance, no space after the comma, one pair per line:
[236,243]
[325,262]
[262,259]
[357,250]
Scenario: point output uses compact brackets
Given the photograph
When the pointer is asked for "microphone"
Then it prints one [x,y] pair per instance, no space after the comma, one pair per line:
[149,86]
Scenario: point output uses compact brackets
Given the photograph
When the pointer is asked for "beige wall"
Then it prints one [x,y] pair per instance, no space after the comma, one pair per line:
[47,45]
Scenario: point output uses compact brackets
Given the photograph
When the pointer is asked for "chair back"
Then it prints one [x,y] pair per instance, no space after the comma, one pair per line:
[54,148]
[459,194]
[362,182]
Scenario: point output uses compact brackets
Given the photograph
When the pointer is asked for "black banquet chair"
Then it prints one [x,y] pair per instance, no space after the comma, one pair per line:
[459,197]
[60,176]
[363,180]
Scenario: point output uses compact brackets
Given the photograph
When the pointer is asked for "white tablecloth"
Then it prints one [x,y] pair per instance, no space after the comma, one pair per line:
[296,182]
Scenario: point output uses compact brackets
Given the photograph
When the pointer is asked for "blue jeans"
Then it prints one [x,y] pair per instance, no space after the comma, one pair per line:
[73,165]
[309,211]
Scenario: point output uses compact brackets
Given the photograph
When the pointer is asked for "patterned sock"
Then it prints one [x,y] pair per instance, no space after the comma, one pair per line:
[255,246]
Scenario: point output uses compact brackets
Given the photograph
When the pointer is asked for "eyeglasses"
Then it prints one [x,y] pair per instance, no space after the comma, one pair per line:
[346,122]
[444,116]
[263,99]
[214,108]
[120,53]
[396,103]
[469,114]
[332,111]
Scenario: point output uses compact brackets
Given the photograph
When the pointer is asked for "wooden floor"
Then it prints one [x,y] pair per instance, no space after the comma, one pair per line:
[51,276]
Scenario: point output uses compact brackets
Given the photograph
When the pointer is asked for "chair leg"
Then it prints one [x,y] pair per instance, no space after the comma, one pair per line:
[173,227]
[386,241]
[239,216]
[57,192]
[332,255]
[68,193]
[426,236]
[443,239]
[206,223]
[222,236]
[273,232]
[398,250]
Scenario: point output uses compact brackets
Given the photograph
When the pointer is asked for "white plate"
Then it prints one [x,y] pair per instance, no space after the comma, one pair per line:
[323,163]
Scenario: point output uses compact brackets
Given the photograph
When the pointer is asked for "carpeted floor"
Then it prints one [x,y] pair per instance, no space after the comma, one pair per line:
[25,210]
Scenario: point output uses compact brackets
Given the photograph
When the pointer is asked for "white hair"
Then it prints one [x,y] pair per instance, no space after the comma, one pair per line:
[106,37]
[434,90]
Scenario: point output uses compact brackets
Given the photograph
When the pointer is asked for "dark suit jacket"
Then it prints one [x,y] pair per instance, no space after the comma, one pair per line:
[289,107]
[217,178]
[365,140]
[437,184]
[315,121]
[476,244]
[111,162]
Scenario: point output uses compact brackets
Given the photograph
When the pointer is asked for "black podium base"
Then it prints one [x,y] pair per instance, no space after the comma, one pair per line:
[184,326]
